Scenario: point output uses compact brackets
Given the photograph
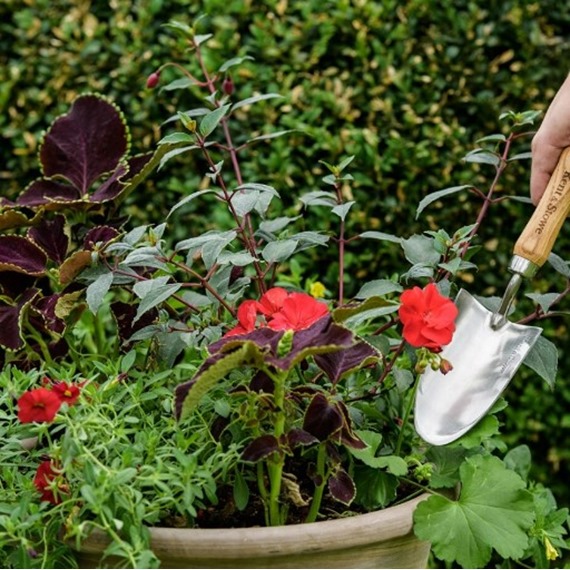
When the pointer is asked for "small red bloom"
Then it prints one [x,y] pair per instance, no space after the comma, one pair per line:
[66,392]
[247,315]
[428,317]
[228,85]
[299,311]
[45,474]
[38,405]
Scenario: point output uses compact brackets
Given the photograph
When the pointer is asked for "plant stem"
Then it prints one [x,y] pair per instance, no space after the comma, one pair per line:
[406,417]
[276,462]
[320,488]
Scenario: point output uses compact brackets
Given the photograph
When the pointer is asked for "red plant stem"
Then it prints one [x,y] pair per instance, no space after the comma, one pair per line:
[249,243]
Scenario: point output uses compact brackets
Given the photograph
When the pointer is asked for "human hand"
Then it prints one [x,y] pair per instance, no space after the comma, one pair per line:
[551,138]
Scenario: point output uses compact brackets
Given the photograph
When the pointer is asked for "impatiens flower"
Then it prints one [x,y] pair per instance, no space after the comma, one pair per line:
[247,315]
[38,405]
[66,392]
[428,317]
[45,474]
[299,312]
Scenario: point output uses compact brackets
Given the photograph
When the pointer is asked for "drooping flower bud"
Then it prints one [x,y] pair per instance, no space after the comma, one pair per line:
[228,85]
[445,366]
[152,80]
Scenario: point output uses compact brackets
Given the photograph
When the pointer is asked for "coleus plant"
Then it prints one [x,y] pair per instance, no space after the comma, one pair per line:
[50,230]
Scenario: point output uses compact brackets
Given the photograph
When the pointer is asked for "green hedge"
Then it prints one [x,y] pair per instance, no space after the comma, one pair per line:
[406,87]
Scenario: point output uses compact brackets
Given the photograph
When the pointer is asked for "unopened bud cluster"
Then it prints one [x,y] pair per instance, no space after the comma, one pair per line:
[434,360]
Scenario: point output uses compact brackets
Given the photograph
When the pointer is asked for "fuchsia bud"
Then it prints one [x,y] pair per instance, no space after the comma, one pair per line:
[228,85]
[152,80]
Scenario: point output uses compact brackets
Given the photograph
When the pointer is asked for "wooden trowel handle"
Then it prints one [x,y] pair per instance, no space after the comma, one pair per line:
[537,239]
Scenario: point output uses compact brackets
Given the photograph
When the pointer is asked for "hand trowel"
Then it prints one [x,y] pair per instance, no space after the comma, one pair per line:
[487,349]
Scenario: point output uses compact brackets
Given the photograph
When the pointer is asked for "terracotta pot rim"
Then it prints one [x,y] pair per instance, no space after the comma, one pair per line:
[343,533]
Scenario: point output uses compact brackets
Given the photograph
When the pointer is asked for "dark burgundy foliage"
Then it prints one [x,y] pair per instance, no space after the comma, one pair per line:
[260,448]
[85,166]
[124,314]
[322,418]
[297,437]
[341,487]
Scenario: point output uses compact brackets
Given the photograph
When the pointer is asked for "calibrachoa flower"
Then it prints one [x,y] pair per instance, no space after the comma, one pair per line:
[66,392]
[45,474]
[38,405]
[428,317]
[281,310]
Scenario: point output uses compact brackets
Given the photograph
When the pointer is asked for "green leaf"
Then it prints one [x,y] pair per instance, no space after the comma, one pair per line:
[392,463]
[234,61]
[97,290]
[255,99]
[482,156]
[494,511]
[374,489]
[212,119]
[446,461]
[241,491]
[433,197]
[152,293]
[543,359]
[188,199]
[519,460]
[277,251]
[269,136]
[378,287]
[342,209]
[545,300]
[381,236]
[420,249]
[563,267]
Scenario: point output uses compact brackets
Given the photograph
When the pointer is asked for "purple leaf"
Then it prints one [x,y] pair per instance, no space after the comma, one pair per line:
[46,306]
[262,383]
[341,487]
[322,419]
[260,448]
[85,143]
[44,191]
[180,393]
[111,188]
[263,337]
[296,437]
[50,236]
[337,364]
[100,234]
[21,255]
[124,314]
[73,265]
[11,321]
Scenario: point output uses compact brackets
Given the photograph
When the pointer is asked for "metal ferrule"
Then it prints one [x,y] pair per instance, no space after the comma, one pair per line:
[523,267]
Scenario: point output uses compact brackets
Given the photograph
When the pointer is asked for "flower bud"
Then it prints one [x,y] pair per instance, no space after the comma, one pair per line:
[228,85]
[445,366]
[152,80]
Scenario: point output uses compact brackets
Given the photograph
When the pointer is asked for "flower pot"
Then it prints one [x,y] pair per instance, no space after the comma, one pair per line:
[382,539]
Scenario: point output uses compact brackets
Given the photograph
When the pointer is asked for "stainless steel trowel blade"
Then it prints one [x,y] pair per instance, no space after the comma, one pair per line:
[483,359]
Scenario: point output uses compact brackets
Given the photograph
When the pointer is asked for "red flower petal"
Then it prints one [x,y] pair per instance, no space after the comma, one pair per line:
[66,392]
[38,405]
[272,301]
[428,317]
[299,312]
[44,476]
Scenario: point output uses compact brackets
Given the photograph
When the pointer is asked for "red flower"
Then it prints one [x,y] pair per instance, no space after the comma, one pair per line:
[428,317]
[66,392]
[298,312]
[38,405]
[247,315]
[272,301]
[45,474]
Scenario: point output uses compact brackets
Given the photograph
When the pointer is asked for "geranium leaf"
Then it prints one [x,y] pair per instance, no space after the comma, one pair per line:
[21,255]
[493,511]
[88,141]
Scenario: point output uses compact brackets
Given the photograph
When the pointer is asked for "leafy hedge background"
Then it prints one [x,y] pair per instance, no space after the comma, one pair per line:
[405,86]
